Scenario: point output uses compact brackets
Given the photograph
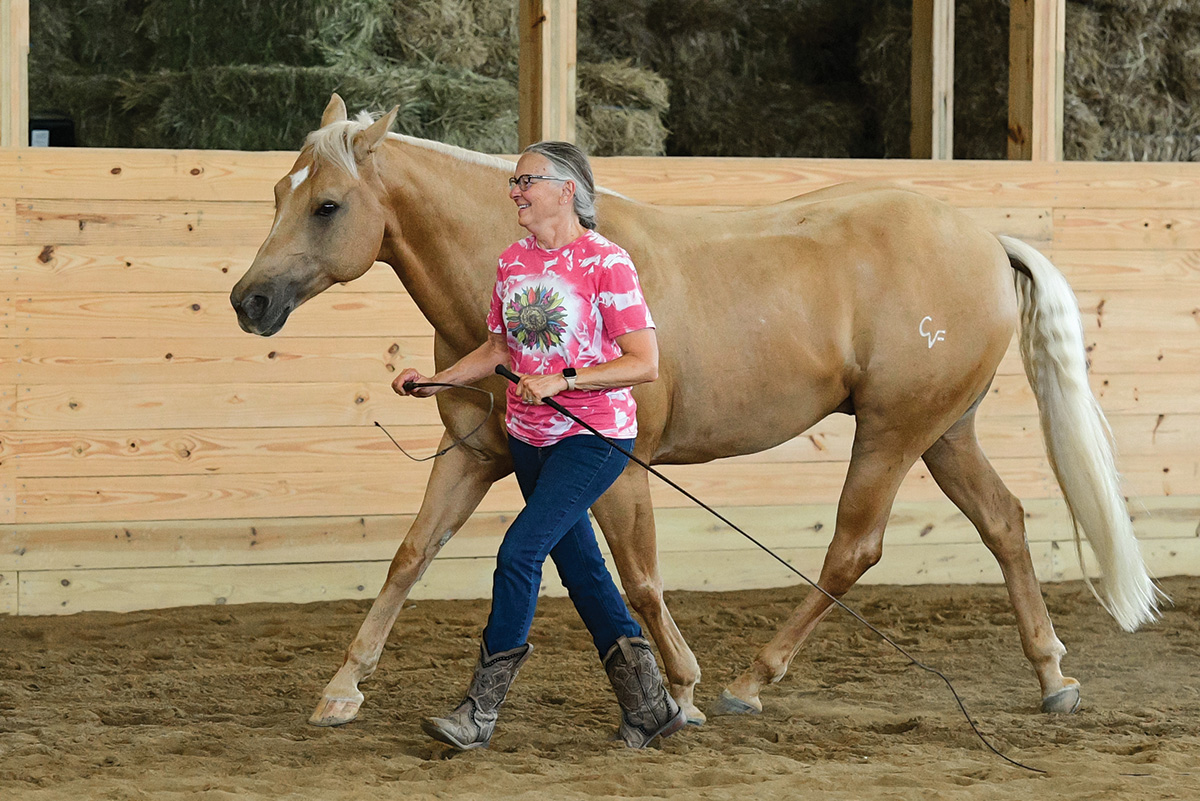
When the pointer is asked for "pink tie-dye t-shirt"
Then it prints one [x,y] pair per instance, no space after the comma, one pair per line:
[565,308]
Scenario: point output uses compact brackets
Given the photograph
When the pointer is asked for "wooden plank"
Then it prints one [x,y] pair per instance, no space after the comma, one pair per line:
[1002,435]
[14,73]
[546,70]
[125,589]
[8,459]
[50,407]
[133,268]
[754,181]
[1148,315]
[204,314]
[399,489]
[921,106]
[1049,58]
[213,361]
[932,79]
[1033,225]
[1020,79]
[1037,35]
[9,590]
[1164,558]
[154,175]
[1163,272]
[143,174]
[77,500]
[684,530]
[204,451]
[1117,393]
[178,543]
[149,223]
[8,223]
[1126,228]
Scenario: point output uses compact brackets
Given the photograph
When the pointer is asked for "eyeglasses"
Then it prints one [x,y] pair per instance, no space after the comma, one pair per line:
[525,181]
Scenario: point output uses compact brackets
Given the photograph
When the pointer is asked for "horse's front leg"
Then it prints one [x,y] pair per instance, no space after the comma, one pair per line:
[458,483]
[626,516]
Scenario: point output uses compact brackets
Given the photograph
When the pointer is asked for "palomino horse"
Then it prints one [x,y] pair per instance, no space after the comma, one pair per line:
[869,301]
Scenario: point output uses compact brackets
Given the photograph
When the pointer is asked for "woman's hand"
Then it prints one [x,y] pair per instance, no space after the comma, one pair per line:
[409,374]
[536,388]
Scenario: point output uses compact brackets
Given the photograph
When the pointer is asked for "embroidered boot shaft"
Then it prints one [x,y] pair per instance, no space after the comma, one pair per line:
[647,709]
[471,724]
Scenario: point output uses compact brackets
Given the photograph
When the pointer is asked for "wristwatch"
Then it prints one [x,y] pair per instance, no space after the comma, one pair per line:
[569,374]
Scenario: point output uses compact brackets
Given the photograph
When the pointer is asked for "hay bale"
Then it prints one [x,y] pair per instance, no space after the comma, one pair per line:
[192,34]
[86,37]
[619,110]
[274,107]
[477,35]
[616,131]
[1132,81]
[763,79]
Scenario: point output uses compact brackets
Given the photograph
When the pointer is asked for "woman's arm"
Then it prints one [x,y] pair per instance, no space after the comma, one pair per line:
[476,365]
[637,364]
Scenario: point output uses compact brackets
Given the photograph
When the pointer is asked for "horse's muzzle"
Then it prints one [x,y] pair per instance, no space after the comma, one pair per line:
[258,313]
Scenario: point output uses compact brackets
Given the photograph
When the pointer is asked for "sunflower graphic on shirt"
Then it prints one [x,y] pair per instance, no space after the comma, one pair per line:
[536,317]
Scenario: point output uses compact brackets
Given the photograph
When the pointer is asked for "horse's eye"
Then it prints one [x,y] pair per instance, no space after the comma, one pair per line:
[326,209]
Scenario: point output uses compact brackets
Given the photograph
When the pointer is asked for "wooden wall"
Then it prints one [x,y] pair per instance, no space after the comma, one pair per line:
[152,454]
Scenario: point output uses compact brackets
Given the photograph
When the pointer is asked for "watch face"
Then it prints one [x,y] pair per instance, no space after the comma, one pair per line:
[569,372]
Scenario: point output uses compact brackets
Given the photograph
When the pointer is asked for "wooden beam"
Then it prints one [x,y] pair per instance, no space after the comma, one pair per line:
[14,73]
[933,79]
[1037,31]
[546,70]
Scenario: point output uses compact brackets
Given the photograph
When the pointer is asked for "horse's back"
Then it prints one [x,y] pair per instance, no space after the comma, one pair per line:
[772,317]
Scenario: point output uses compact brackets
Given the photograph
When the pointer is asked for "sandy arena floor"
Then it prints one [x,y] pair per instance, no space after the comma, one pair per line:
[211,702]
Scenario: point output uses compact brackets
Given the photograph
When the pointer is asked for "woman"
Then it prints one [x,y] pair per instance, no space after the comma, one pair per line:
[568,316]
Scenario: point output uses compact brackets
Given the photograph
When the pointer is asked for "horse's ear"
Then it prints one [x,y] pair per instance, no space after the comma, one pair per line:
[366,142]
[335,111]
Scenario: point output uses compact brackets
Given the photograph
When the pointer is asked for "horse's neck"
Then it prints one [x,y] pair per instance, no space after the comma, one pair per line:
[451,219]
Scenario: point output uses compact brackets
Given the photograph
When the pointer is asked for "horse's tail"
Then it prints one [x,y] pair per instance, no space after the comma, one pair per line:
[1078,439]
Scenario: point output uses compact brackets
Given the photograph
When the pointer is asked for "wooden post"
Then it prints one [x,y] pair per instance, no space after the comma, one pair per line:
[14,73]
[546,72]
[1036,42]
[933,79]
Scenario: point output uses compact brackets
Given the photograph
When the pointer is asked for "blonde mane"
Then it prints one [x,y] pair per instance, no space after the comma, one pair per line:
[334,144]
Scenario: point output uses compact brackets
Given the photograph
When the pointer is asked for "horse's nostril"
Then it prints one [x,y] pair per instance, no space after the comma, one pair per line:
[255,306]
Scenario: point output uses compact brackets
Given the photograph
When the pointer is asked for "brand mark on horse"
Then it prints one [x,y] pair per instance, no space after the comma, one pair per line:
[932,336]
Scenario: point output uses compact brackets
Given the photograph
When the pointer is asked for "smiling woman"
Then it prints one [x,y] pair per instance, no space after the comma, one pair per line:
[553,318]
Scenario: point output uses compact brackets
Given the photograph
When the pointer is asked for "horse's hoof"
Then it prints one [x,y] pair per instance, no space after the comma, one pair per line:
[729,704]
[335,711]
[1063,702]
[694,716]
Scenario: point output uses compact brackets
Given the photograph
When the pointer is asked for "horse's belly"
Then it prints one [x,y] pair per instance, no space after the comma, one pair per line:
[747,419]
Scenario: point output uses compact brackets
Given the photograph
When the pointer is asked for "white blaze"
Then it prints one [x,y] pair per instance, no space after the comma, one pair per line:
[299,177]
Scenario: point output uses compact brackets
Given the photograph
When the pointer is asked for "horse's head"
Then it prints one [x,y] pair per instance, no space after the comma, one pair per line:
[330,218]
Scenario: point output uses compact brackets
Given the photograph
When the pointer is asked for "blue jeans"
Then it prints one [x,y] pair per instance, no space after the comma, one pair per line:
[560,482]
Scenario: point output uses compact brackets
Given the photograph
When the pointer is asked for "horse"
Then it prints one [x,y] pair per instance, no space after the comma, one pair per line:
[859,299]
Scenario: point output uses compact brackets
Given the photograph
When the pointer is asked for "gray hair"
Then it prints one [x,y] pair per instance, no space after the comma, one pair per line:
[571,163]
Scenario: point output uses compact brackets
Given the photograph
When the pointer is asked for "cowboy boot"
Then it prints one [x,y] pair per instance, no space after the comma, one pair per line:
[647,709]
[471,724]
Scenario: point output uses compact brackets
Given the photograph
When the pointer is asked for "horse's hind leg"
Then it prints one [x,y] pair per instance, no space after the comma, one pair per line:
[962,471]
[626,517]
[877,467]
